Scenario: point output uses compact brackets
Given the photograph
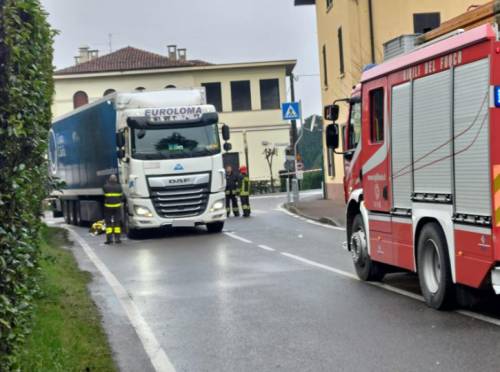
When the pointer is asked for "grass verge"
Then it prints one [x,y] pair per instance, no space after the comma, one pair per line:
[67,333]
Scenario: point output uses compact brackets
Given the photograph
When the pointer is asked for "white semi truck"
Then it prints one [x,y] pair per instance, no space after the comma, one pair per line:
[165,148]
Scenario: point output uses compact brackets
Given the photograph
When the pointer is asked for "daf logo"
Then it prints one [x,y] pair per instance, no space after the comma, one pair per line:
[177,181]
[178,167]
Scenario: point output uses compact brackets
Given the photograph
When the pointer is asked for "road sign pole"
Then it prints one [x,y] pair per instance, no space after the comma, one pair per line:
[293,127]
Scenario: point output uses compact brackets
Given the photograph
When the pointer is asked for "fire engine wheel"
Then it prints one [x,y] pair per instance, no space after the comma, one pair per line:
[215,227]
[434,269]
[366,269]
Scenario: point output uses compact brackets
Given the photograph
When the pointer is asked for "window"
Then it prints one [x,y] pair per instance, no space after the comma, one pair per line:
[170,86]
[240,95]
[354,130]
[329,4]
[325,69]
[270,94]
[140,89]
[377,115]
[341,51]
[214,94]
[80,98]
[108,91]
[424,22]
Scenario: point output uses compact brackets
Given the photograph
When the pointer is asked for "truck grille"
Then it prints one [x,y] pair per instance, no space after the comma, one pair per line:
[182,201]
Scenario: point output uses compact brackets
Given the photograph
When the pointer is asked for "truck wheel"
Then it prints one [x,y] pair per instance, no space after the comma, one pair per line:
[71,212]
[434,271]
[78,214]
[215,227]
[66,214]
[131,233]
[366,269]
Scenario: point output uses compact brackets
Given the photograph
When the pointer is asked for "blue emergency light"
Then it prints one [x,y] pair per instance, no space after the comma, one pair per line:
[497,96]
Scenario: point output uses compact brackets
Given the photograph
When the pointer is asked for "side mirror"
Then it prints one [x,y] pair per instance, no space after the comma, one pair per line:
[226,133]
[141,134]
[332,136]
[120,139]
[331,112]
[228,147]
[120,153]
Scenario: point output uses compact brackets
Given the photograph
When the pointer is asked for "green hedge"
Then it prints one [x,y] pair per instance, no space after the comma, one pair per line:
[26,90]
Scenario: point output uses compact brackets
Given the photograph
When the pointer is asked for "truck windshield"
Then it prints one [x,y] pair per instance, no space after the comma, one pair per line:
[175,142]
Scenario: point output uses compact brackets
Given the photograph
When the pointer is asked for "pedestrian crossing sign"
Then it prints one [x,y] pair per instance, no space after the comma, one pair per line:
[290,110]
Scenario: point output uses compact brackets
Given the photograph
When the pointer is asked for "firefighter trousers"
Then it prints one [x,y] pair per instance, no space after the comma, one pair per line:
[231,199]
[245,205]
[113,218]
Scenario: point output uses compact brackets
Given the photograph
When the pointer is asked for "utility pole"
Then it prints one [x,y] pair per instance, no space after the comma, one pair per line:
[245,143]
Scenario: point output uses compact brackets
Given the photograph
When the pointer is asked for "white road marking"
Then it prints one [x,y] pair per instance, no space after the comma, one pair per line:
[283,210]
[319,265]
[234,236]
[265,247]
[390,288]
[283,195]
[156,354]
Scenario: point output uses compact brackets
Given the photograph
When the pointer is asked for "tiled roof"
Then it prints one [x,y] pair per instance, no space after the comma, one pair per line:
[127,59]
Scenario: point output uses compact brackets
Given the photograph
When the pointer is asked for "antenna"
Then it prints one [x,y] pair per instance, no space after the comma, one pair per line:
[110,42]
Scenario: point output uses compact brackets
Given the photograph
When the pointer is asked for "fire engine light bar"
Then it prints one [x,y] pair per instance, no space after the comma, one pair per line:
[497,96]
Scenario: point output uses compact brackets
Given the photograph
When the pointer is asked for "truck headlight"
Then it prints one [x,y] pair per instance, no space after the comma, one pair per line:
[142,211]
[217,206]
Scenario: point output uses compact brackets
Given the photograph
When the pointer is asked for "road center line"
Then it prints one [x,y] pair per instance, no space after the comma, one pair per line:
[234,236]
[318,265]
[156,354]
[265,247]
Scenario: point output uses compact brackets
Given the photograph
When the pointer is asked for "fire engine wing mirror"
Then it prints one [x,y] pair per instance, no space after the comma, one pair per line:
[331,112]
[332,136]
[226,133]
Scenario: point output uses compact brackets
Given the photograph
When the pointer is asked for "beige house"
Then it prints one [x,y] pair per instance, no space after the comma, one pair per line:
[351,34]
[248,96]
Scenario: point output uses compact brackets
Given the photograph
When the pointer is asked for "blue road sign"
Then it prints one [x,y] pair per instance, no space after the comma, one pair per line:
[290,110]
[497,96]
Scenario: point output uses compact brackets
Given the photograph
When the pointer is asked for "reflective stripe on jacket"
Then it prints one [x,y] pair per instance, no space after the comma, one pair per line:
[245,186]
[113,195]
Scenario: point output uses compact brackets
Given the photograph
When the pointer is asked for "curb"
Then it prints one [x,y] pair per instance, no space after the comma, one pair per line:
[324,220]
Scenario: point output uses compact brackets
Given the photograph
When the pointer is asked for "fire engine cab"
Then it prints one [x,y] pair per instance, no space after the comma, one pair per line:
[422,165]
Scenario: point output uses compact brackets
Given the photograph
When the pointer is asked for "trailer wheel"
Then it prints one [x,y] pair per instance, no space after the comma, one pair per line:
[366,269]
[215,227]
[71,212]
[434,271]
[78,214]
[65,205]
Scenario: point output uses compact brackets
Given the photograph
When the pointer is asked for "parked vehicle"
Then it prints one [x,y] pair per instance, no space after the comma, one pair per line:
[165,148]
[422,160]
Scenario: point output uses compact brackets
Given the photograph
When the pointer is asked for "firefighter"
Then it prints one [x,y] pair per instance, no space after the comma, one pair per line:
[245,191]
[232,189]
[113,196]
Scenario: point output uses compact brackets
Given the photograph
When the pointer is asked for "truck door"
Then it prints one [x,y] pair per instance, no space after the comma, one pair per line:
[376,166]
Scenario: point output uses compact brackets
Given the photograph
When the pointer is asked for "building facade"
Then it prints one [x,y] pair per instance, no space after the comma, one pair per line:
[351,35]
[248,96]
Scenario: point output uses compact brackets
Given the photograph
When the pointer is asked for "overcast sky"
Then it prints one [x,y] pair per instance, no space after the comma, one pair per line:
[218,31]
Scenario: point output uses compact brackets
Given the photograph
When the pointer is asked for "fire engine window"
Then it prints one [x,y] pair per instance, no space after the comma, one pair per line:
[354,133]
[377,115]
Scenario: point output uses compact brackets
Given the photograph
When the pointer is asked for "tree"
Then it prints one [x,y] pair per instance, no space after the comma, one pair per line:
[270,151]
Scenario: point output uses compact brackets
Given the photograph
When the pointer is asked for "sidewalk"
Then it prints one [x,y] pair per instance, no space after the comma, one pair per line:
[331,212]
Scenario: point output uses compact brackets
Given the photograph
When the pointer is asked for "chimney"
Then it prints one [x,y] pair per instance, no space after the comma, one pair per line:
[181,54]
[85,54]
[172,52]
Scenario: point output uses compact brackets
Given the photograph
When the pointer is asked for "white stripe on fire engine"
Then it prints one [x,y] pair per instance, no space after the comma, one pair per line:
[379,217]
[403,220]
[473,229]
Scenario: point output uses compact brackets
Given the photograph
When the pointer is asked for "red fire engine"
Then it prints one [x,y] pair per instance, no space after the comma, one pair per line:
[422,165]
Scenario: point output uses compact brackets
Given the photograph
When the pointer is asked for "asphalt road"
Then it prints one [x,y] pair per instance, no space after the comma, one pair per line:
[271,293]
